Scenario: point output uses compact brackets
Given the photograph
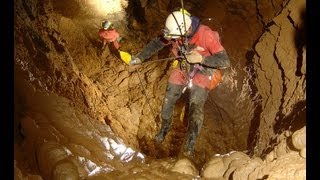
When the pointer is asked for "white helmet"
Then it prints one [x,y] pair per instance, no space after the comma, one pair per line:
[175,26]
[106,24]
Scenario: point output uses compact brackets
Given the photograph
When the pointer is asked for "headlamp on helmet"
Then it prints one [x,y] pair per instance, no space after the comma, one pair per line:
[106,25]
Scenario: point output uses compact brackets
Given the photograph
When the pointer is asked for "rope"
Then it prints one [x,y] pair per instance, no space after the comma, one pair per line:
[186,48]
[145,93]
[163,59]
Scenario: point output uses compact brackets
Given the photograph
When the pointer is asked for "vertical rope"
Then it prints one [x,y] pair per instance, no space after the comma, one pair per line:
[145,93]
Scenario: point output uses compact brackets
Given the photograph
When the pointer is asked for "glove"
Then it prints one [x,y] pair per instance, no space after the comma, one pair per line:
[194,57]
[135,60]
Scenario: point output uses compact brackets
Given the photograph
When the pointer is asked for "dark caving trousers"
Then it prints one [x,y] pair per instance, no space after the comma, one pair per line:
[173,93]
[198,96]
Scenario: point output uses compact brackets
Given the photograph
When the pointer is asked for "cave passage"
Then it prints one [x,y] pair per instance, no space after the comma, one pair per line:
[83,113]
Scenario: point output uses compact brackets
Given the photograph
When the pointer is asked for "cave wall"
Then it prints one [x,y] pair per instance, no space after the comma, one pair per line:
[280,69]
[55,53]
[42,57]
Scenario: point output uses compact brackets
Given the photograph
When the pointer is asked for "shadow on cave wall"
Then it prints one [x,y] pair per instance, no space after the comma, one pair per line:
[135,12]
[253,135]
[293,122]
[300,42]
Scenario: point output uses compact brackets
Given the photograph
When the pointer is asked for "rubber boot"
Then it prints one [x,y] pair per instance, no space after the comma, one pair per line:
[165,126]
[190,142]
[194,127]
[173,93]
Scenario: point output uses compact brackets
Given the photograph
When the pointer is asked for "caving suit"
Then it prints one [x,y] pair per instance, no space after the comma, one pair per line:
[199,78]
[108,36]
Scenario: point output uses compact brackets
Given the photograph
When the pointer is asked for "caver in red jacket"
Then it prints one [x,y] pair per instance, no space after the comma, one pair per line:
[207,74]
[200,78]
[109,36]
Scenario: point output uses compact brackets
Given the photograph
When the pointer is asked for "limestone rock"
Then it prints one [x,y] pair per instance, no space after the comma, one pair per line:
[299,138]
[185,166]
[214,168]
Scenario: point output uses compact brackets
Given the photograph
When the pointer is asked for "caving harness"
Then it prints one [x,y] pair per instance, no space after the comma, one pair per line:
[189,69]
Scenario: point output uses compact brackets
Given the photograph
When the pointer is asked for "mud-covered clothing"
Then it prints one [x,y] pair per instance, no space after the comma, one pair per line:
[108,36]
[197,100]
[204,76]
[208,44]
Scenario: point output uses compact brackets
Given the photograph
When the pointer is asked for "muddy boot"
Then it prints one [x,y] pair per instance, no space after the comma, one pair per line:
[194,125]
[173,93]
[189,146]
[165,126]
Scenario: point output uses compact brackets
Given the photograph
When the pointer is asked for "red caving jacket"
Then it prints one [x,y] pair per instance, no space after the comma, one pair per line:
[109,36]
[208,74]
